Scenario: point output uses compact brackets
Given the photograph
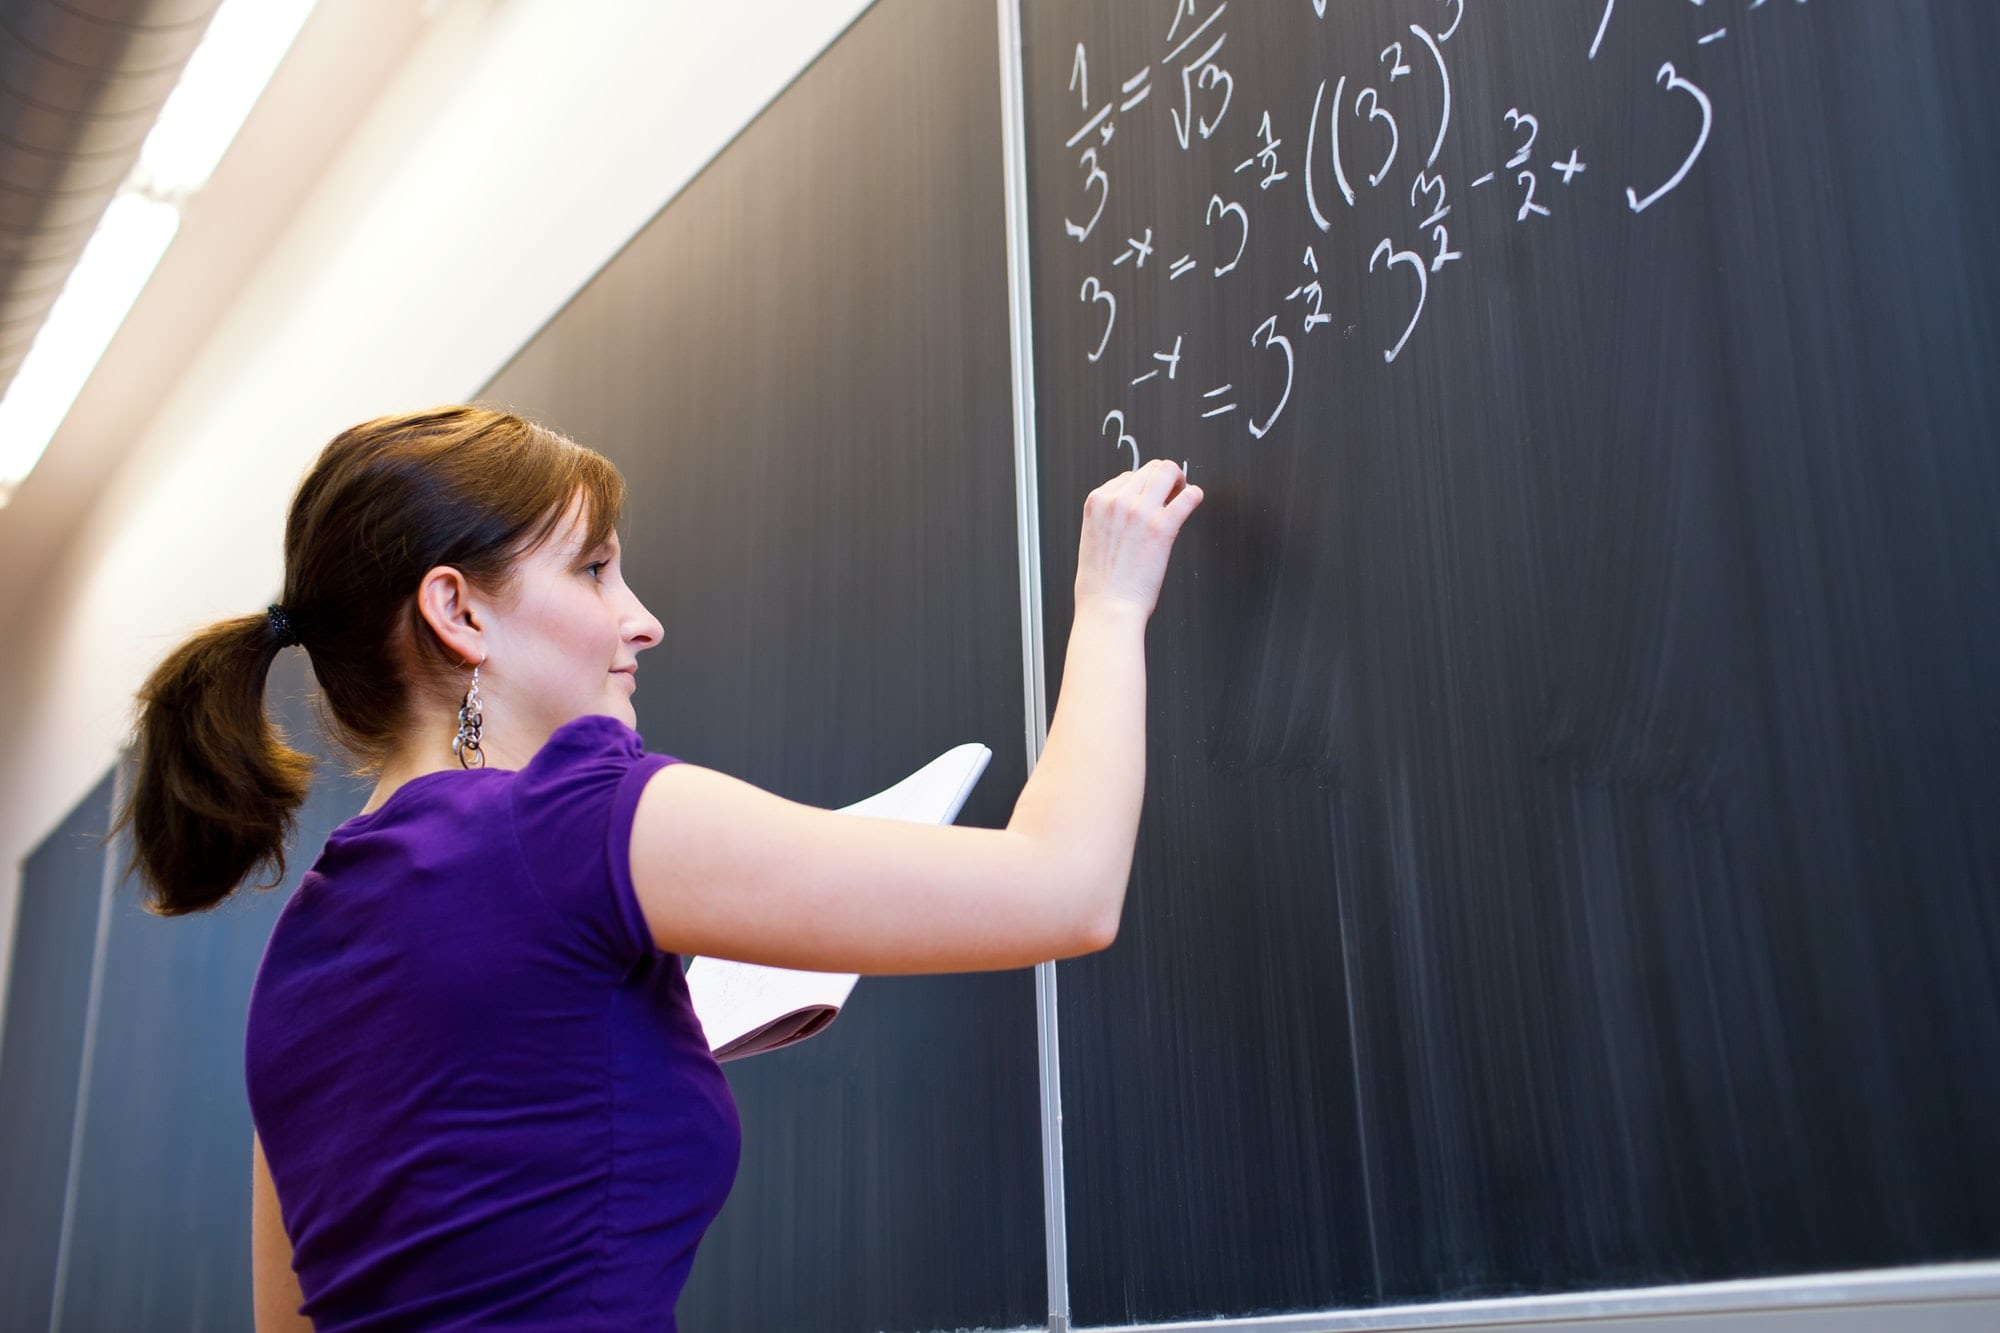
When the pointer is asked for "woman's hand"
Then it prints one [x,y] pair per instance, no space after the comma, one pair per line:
[1129,526]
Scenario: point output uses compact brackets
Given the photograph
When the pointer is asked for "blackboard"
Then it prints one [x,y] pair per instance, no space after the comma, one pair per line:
[41,1056]
[121,1083]
[164,1150]
[1568,858]
[801,367]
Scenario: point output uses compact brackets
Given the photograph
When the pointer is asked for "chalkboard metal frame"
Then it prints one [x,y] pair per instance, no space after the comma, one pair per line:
[1034,676]
[1905,1290]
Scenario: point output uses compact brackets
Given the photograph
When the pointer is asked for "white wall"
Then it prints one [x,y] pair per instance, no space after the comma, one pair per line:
[520,144]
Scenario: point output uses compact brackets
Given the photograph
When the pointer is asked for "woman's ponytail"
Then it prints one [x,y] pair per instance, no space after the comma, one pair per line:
[213,790]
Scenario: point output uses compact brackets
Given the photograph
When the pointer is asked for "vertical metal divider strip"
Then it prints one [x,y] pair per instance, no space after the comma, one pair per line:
[105,885]
[1034,683]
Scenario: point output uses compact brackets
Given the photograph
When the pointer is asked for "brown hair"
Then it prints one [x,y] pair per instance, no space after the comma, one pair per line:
[214,789]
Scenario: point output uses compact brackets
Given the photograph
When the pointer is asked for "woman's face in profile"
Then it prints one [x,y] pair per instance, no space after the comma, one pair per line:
[570,636]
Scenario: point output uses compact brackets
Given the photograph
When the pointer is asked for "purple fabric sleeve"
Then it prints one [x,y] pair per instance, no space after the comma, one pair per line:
[573,809]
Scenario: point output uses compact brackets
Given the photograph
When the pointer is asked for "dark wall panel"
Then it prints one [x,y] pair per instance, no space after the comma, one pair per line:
[802,369]
[1568,859]
[161,1236]
[48,997]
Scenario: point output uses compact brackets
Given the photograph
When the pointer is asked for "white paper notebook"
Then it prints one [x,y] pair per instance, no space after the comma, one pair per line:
[746,1009]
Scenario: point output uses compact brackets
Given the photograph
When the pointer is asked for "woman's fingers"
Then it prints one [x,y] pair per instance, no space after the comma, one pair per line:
[1129,526]
[1183,503]
[1159,479]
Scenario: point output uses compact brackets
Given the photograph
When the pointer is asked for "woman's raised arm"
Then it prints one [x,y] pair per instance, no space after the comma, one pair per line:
[725,869]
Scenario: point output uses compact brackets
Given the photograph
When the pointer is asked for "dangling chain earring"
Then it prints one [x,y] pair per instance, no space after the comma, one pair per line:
[466,744]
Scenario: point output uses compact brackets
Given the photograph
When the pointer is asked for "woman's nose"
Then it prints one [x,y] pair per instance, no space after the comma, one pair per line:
[646,629]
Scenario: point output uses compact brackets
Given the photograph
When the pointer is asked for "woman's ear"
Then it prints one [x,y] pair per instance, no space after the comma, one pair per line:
[454,612]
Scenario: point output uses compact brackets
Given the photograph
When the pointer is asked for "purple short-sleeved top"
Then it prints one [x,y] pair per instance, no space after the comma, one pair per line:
[484,1097]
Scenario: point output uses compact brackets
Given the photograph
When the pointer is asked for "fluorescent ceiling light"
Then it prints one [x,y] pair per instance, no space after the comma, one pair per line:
[224,77]
[220,83]
[107,279]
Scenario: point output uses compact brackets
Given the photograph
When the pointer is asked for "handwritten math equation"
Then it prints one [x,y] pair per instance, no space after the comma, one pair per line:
[1380,119]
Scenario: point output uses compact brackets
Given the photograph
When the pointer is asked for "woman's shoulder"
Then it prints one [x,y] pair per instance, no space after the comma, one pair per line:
[422,796]
[590,770]
[593,744]
[591,736]
[591,751]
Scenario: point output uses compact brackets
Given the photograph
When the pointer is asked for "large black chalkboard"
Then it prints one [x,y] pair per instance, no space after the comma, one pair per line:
[1568,859]
[801,367]
[159,1233]
[41,1056]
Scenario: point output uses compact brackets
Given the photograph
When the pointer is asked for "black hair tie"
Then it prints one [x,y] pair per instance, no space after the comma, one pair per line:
[281,625]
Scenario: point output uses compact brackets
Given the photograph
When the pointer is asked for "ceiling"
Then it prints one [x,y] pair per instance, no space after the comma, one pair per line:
[81,82]
[63,154]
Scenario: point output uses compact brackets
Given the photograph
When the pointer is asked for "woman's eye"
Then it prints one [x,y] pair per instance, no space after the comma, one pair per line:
[595,566]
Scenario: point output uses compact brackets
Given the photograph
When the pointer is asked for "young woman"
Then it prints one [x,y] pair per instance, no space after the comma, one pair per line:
[481,1098]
